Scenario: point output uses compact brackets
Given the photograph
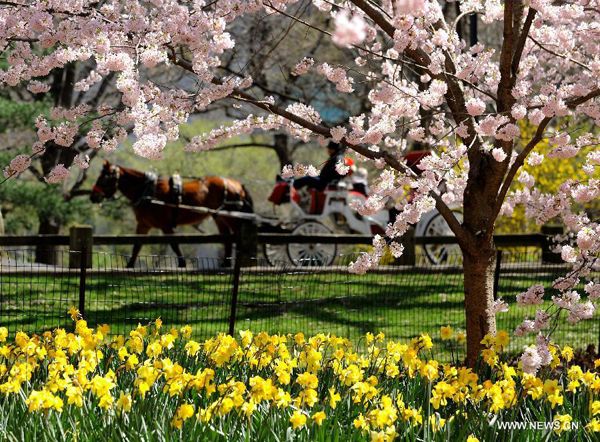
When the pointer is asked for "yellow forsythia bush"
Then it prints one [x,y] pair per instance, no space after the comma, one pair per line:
[549,176]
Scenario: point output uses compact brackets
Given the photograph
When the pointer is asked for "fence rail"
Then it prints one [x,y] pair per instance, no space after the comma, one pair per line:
[401,301]
[514,240]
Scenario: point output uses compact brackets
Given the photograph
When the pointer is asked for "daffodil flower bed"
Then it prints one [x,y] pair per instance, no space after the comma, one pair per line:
[156,384]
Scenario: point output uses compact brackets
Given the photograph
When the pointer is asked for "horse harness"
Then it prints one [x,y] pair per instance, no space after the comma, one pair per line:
[228,204]
[174,195]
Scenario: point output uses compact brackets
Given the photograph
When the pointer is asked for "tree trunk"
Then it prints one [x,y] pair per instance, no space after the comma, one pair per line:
[2,232]
[479,271]
[44,253]
[282,149]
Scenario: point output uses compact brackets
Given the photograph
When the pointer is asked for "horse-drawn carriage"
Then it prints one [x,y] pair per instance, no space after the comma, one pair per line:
[330,211]
[159,203]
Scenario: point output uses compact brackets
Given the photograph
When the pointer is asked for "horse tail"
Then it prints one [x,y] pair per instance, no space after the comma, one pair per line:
[248,204]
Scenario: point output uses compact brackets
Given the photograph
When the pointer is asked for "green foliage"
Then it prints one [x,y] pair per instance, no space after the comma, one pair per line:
[15,115]
[25,202]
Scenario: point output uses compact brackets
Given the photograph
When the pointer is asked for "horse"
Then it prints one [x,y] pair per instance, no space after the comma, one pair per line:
[211,192]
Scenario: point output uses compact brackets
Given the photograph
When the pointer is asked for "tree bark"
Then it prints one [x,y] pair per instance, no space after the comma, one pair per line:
[479,267]
[282,149]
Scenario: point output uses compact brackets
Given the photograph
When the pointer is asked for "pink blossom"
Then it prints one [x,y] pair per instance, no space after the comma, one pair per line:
[593,290]
[287,171]
[584,194]
[586,238]
[150,57]
[475,106]
[499,306]
[526,327]
[341,168]
[397,249]
[303,66]
[531,360]
[526,179]
[518,111]
[363,263]
[337,133]
[58,174]
[541,320]
[338,77]
[498,154]
[413,7]
[44,131]
[64,134]
[568,254]
[38,148]
[489,125]
[535,159]
[542,350]
[581,311]
[462,130]
[150,145]
[37,87]
[18,164]
[82,161]
[534,295]
[508,132]
[349,31]
[567,300]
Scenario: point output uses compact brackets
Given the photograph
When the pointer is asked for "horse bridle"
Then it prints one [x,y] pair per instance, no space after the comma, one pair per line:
[114,173]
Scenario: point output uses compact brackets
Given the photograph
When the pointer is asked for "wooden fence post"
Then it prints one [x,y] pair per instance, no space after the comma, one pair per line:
[247,244]
[497,269]
[237,271]
[81,243]
[548,256]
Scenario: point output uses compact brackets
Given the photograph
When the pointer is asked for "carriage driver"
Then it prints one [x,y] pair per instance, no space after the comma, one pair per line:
[328,173]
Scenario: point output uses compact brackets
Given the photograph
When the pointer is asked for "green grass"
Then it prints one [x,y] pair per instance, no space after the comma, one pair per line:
[400,305]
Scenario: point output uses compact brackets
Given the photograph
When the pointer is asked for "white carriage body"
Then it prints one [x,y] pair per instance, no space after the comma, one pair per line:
[336,214]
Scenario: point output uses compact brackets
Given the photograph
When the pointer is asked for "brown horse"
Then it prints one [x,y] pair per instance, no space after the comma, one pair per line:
[211,192]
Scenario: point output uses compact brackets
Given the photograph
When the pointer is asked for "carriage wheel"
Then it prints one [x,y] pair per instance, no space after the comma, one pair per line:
[312,254]
[440,253]
[276,254]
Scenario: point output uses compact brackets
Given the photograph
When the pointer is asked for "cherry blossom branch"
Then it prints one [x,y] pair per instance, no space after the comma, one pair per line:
[520,45]
[324,131]
[519,161]
[550,51]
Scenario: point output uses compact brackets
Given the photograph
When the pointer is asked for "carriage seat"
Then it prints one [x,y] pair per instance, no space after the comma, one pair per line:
[318,197]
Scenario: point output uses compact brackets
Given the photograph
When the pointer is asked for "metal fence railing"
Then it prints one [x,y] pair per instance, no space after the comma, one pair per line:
[401,301]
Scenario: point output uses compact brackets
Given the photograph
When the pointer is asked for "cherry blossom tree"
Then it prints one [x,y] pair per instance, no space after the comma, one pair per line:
[426,85]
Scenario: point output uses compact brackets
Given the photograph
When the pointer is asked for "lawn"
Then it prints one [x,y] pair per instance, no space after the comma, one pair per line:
[399,304]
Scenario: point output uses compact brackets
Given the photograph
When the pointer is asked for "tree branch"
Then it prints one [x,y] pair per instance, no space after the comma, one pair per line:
[520,160]
[520,45]
[324,131]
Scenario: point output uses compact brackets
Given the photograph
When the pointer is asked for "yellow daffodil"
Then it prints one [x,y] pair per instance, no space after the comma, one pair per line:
[124,402]
[298,420]
[446,333]
[318,417]
[562,422]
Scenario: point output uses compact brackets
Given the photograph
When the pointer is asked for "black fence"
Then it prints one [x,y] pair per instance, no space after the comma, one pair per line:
[400,301]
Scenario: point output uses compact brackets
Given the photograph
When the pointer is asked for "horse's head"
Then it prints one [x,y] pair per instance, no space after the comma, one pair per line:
[107,183]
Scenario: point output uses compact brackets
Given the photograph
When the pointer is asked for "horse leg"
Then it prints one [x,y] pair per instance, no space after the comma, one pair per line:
[141,229]
[175,247]
[225,230]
